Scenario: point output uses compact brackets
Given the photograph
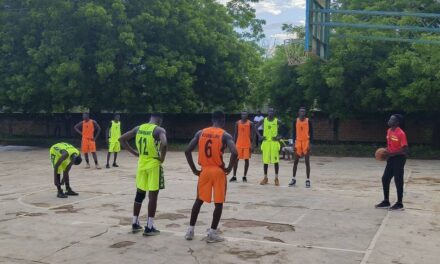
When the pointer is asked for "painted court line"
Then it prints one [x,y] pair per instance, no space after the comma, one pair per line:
[379,232]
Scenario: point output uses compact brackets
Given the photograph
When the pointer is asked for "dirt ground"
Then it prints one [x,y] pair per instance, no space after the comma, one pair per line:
[333,222]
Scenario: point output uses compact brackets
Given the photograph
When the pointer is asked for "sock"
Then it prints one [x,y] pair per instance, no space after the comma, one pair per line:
[276,176]
[135,220]
[211,231]
[265,175]
[96,162]
[150,222]
[294,178]
[191,228]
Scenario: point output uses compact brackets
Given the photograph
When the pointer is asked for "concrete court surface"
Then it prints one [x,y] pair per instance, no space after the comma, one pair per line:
[333,222]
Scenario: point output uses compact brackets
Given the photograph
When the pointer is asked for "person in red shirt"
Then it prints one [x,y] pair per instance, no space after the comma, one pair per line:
[397,149]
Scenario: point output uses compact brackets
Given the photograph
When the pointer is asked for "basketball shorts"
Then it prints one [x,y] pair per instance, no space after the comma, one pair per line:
[88,145]
[302,147]
[150,179]
[271,151]
[114,147]
[244,153]
[212,182]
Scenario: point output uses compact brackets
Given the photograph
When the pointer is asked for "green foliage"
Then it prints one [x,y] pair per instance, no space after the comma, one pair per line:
[361,76]
[137,55]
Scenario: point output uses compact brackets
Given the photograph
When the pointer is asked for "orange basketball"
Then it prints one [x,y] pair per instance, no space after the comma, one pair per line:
[381,154]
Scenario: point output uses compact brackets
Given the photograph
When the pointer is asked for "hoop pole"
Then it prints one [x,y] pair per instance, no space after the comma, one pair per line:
[307,47]
[379,26]
[377,13]
[416,41]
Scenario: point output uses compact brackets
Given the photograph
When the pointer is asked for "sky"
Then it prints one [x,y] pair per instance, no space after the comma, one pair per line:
[276,13]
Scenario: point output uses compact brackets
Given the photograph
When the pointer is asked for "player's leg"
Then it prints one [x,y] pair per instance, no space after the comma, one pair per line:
[295,168]
[193,220]
[153,176]
[398,171]
[265,149]
[386,179]
[246,168]
[234,177]
[307,161]
[219,185]
[140,196]
[114,159]
[66,180]
[86,157]
[204,194]
[95,159]
[108,160]
[265,169]
[277,169]
[57,182]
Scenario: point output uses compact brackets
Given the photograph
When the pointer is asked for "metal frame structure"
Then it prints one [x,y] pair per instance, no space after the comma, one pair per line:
[319,23]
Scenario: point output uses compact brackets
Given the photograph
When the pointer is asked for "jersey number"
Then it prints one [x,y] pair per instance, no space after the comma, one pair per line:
[208,149]
[143,146]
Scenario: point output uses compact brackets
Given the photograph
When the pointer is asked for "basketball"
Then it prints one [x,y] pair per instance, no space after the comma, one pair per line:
[381,154]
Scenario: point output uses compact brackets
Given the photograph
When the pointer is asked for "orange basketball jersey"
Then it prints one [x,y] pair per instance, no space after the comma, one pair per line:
[302,129]
[88,129]
[211,147]
[244,134]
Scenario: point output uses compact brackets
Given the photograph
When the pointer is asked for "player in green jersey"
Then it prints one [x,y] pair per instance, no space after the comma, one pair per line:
[151,144]
[63,156]
[113,134]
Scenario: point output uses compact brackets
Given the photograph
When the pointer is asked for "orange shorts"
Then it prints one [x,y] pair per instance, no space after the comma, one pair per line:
[88,145]
[212,178]
[244,153]
[302,147]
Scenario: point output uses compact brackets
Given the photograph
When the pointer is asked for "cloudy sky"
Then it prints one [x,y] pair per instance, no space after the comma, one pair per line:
[277,12]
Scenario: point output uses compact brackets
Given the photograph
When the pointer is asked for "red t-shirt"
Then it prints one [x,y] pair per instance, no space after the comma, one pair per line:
[396,140]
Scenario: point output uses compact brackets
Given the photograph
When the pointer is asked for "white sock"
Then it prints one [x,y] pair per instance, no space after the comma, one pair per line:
[191,228]
[276,176]
[294,178]
[135,220]
[150,222]
[212,231]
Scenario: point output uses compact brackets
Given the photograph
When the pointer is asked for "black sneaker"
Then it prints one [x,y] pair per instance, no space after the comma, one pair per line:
[383,205]
[308,185]
[151,232]
[107,166]
[292,182]
[70,192]
[136,228]
[233,179]
[397,207]
[115,165]
[244,179]
[61,195]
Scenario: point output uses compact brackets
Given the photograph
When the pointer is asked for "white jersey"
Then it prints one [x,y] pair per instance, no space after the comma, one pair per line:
[258,119]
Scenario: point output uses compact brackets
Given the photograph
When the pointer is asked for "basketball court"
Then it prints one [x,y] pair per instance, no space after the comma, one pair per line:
[333,222]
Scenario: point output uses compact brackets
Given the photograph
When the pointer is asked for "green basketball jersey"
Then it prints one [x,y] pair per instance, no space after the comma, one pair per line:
[270,128]
[115,132]
[56,153]
[148,147]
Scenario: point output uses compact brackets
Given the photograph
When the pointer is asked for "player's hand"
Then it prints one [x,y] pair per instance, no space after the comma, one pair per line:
[228,170]
[263,138]
[275,138]
[196,172]
[95,138]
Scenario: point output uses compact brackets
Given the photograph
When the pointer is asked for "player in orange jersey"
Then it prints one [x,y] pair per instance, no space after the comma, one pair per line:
[86,129]
[212,142]
[302,135]
[244,138]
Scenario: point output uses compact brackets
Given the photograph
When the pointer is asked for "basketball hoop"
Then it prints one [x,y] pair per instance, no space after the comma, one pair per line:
[294,49]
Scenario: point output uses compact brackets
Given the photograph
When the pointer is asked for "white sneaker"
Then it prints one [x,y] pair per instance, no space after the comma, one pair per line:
[189,234]
[213,237]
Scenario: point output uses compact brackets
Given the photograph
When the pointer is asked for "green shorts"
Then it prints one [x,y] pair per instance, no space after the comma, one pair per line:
[271,152]
[150,179]
[114,147]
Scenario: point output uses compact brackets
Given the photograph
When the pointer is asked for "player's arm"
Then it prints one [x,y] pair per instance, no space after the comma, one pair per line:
[98,129]
[107,132]
[161,134]
[253,135]
[127,137]
[310,131]
[78,128]
[188,153]
[229,142]
[278,137]
[294,131]
[236,132]
[64,156]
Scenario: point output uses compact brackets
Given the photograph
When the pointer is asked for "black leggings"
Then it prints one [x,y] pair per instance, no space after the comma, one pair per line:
[395,167]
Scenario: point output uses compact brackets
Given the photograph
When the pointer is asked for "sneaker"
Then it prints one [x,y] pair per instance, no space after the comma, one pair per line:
[233,179]
[136,228]
[292,182]
[70,192]
[308,185]
[264,181]
[277,182]
[189,235]
[244,179]
[383,205]
[87,166]
[213,237]
[61,195]
[397,207]
[151,231]
[98,167]
[107,166]
[115,165]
